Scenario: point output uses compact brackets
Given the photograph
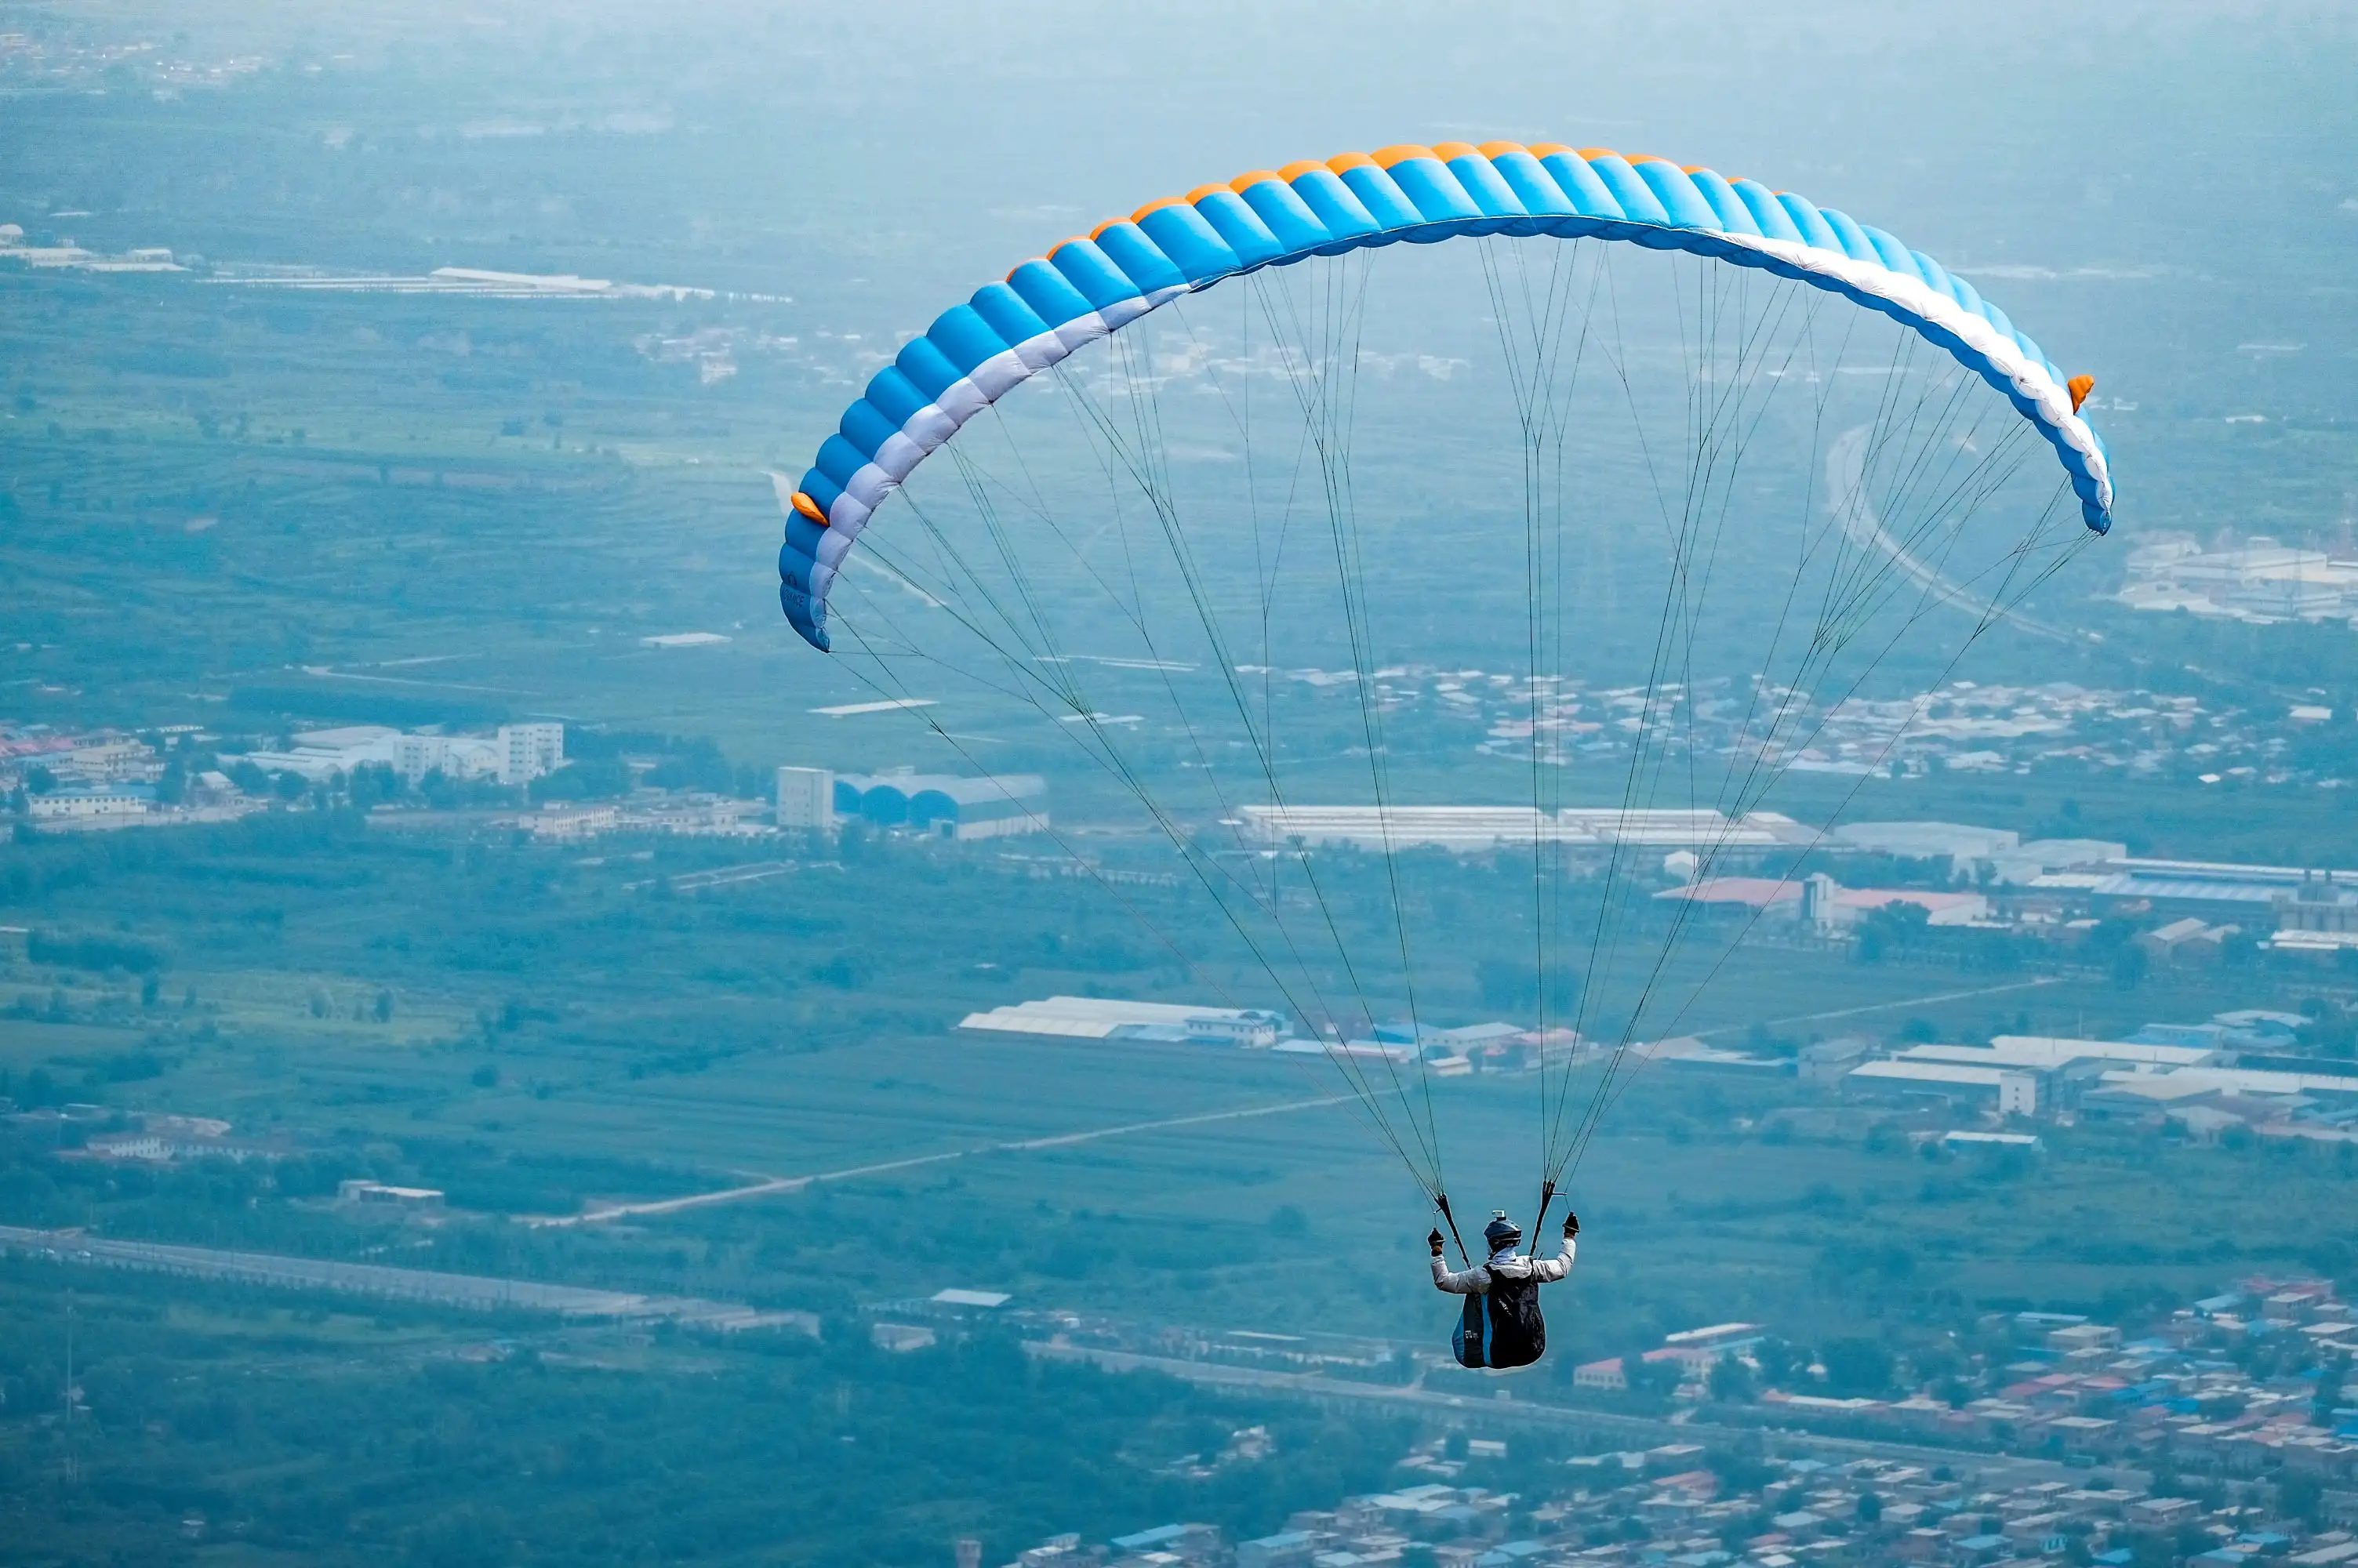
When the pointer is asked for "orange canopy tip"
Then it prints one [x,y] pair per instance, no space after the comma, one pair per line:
[2079,386]
[809,508]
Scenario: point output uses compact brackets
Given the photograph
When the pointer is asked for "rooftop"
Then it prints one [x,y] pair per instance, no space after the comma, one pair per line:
[2044,1053]
[1482,828]
[1101,1018]
[1932,1072]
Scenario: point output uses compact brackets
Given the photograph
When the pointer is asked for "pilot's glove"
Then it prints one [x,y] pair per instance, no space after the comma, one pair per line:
[1433,1241]
[1570,1226]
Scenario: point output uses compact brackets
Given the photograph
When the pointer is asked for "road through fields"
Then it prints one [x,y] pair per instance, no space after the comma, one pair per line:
[774,1185]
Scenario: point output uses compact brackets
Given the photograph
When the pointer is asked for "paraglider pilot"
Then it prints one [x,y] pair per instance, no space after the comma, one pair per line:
[1501,1327]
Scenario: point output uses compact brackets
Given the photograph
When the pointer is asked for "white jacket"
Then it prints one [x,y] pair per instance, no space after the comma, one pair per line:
[1508,1264]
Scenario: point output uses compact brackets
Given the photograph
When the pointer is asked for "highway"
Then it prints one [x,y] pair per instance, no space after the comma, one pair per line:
[1508,1407]
[475,1292]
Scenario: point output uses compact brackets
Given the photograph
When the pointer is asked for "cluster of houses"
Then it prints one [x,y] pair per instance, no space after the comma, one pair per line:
[1961,727]
[60,779]
[1669,1506]
[696,813]
[2216,1432]
[63,779]
[95,1132]
[79,1130]
[2187,1393]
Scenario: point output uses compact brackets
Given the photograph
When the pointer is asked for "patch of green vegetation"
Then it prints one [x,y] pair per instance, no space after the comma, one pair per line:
[210,1422]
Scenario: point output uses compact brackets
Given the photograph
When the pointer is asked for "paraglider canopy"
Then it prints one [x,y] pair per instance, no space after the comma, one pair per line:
[1716,535]
[1086,287]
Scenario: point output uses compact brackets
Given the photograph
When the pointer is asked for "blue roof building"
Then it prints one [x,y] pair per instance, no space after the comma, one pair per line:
[944,805]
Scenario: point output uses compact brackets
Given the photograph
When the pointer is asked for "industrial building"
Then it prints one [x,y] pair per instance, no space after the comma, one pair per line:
[2047,1053]
[941,804]
[2195,887]
[2026,863]
[1993,853]
[1107,1017]
[2260,581]
[820,799]
[1954,841]
[1989,1088]
[1476,829]
[112,800]
[1697,1350]
[2318,904]
[1822,902]
[359,1191]
[2058,1070]
[1998,852]
[2238,1081]
[1362,1051]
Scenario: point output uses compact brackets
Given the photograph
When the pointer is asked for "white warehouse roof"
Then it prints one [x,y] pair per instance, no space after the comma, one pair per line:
[1097,1018]
[1925,840]
[1934,1073]
[2232,1081]
[1483,828]
[2043,1052]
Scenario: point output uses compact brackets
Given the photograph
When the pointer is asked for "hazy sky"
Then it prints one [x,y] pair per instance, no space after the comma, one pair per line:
[2147,187]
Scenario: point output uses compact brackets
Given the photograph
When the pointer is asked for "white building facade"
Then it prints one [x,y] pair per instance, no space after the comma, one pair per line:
[516,754]
[807,798]
[526,752]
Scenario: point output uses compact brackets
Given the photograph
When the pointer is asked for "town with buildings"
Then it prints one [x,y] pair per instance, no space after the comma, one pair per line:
[1779,879]
[1662,1505]
[2214,1430]
[1960,727]
[56,780]
[1967,876]
[63,781]
[2218,1433]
